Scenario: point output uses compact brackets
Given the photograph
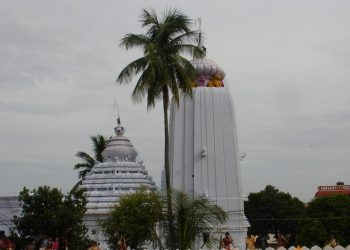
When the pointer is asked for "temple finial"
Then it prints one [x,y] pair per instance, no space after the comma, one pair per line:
[115,105]
[119,130]
[198,22]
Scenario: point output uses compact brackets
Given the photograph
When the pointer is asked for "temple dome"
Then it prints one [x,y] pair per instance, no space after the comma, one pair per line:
[207,67]
[119,148]
[209,74]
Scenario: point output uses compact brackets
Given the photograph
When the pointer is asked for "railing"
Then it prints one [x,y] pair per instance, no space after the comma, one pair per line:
[334,188]
[312,248]
[290,248]
[298,248]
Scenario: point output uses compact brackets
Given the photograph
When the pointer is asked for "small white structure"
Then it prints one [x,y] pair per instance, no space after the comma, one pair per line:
[9,207]
[121,173]
[204,156]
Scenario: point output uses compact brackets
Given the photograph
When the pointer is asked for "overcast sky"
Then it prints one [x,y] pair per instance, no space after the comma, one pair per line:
[287,64]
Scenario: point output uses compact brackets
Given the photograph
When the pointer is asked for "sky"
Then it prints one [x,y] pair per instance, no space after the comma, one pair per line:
[287,64]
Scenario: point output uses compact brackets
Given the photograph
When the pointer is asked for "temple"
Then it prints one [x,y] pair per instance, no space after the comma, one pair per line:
[204,156]
[120,173]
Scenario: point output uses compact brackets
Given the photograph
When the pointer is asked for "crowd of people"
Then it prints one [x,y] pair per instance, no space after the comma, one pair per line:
[45,243]
[48,243]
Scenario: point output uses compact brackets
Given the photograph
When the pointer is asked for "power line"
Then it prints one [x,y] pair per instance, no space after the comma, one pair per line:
[303,218]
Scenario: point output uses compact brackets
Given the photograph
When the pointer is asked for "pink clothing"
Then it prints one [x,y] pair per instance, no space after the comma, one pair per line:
[55,245]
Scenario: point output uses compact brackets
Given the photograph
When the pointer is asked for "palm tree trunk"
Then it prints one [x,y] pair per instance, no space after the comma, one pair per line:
[166,137]
[167,167]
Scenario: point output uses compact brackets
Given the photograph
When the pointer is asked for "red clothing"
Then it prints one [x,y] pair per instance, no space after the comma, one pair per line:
[55,245]
[227,241]
[7,244]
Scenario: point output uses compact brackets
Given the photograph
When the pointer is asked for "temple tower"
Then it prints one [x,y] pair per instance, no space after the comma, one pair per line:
[204,155]
[121,172]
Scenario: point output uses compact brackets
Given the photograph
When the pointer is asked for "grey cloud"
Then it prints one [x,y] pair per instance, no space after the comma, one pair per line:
[68,105]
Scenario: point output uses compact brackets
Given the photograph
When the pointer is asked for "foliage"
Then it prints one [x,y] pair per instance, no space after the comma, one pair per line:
[194,216]
[136,216]
[273,211]
[46,211]
[134,219]
[324,217]
[311,233]
[98,145]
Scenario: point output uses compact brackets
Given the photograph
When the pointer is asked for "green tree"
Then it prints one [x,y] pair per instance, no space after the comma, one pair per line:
[194,217]
[98,145]
[46,211]
[134,219]
[273,211]
[163,69]
[311,233]
[136,216]
[325,217]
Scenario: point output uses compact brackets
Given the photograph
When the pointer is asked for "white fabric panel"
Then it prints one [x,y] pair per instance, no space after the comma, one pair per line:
[207,123]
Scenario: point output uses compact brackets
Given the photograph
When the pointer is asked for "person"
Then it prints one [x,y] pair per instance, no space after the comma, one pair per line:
[332,241]
[5,243]
[55,244]
[2,239]
[261,242]
[281,240]
[45,242]
[250,241]
[29,245]
[64,244]
[227,241]
[94,246]
[121,244]
[49,244]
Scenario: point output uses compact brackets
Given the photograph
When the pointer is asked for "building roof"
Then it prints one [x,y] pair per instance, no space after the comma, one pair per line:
[332,190]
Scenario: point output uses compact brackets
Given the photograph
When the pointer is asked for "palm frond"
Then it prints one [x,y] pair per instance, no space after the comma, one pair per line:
[189,49]
[149,17]
[134,40]
[98,145]
[85,157]
[131,69]
[176,21]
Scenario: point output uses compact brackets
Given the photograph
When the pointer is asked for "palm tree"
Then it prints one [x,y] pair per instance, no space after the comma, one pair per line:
[163,70]
[194,216]
[98,145]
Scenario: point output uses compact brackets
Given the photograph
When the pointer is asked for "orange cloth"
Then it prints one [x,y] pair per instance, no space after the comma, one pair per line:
[250,242]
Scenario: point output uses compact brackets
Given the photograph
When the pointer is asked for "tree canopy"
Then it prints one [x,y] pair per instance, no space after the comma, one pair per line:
[134,219]
[325,217]
[136,216]
[47,212]
[273,211]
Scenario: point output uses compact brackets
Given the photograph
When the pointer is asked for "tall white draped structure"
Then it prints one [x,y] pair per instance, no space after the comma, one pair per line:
[204,155]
